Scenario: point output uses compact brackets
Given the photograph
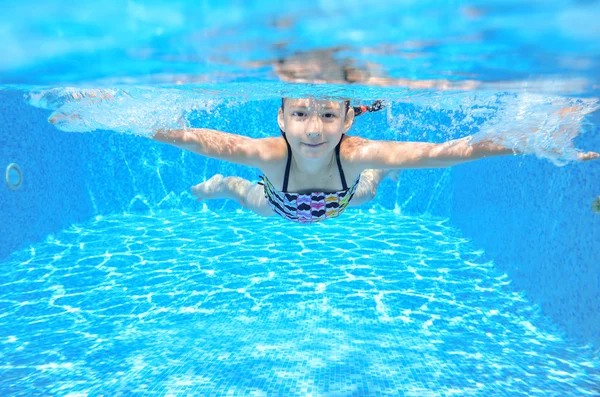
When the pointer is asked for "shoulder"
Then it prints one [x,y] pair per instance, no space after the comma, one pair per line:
[353,149]
[352,153]
[273,157]
[272,149]
[351,143]
[361,153]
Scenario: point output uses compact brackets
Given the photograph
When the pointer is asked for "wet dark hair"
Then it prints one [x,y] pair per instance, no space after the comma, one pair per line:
[358,110]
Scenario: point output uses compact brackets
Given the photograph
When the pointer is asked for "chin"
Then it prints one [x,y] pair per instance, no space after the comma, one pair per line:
[314,155]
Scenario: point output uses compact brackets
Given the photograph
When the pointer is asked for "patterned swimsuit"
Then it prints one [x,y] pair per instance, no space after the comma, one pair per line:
[308,207]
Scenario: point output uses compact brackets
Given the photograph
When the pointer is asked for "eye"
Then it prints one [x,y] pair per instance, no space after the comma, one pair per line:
[329,115]
[299,114]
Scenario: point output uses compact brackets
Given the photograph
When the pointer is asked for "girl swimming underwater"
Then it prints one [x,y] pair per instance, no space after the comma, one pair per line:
[313,170]
[254,197]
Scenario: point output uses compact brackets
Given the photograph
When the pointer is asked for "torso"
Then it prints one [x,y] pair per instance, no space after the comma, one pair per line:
[327,180]
[311,198]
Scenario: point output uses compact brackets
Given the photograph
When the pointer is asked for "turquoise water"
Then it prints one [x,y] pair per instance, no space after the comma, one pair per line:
[173,303]
[476,280]
[548,46]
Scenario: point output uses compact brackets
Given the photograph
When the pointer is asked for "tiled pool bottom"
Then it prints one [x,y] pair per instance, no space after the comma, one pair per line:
[235,305]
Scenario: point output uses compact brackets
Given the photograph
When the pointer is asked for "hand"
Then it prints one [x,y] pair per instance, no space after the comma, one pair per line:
[65,116]
[588,156]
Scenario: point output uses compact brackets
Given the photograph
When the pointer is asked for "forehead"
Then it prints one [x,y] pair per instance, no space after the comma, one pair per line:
[313,103]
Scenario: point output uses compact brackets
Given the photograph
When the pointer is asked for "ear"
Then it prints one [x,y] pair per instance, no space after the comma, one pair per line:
[349,120]
[280,119]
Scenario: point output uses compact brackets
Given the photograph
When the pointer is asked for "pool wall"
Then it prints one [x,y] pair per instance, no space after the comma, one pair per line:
[535,221]
[532,218]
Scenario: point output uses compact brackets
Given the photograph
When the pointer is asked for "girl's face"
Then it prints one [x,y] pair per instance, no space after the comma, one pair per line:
[312,127]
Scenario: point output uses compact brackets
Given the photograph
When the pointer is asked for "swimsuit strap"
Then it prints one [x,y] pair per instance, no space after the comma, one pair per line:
[339,164]
[287,165]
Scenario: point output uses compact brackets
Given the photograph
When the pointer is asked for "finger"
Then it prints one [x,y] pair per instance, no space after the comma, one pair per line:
[588,156]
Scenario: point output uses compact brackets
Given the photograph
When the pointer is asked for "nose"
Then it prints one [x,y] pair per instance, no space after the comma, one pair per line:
[314,127]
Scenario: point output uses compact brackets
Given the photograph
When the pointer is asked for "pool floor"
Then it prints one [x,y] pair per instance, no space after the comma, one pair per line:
[372,304]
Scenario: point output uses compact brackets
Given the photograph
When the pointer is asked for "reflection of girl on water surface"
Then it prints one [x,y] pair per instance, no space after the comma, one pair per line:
[327,66]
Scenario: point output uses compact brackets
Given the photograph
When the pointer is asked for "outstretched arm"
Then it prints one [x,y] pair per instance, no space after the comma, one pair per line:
[210,143]
[221,145]
[392,154]
[458,151]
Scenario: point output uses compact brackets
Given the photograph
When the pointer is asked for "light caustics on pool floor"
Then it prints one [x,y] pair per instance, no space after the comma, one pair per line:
[232,304]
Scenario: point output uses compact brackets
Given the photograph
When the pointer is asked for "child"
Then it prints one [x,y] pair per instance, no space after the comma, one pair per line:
[313,170]
[252,196]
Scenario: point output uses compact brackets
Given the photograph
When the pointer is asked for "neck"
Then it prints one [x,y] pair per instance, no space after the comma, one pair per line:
[312,166]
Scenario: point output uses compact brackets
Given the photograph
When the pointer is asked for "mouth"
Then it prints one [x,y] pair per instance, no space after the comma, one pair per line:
[313,145]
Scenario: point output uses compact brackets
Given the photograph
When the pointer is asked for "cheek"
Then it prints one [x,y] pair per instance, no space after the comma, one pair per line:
[292,126]
[293,138]
[338,125]
[335,132]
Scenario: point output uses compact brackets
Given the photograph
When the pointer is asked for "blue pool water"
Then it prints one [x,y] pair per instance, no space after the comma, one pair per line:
[135,304]
[478,280]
